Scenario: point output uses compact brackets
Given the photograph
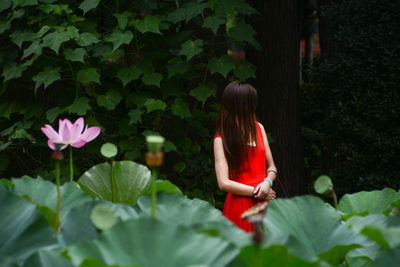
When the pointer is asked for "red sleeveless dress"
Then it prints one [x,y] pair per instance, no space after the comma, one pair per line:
[251,172]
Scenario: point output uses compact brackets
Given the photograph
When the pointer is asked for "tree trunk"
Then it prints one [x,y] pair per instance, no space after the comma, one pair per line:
[278,28]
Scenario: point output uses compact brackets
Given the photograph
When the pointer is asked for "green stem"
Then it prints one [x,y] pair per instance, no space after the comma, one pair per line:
[56,218]
[257,262]
[71,166]
[113,185]
[335,199]
[153,193]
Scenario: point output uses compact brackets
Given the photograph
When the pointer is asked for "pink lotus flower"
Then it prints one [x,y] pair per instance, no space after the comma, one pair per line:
[70,134]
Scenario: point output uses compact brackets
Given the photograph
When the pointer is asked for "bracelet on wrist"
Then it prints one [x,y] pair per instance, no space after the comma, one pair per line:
[269,180]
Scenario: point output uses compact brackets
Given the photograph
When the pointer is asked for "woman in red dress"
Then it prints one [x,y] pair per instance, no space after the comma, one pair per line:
[243,161]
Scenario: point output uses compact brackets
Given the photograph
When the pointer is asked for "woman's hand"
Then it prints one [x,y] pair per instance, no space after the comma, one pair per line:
[263,191]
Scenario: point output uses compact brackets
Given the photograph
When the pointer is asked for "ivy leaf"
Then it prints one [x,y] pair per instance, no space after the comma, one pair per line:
[222,65]
[204,91]
[213,23]
[23,3]
[180,108]
[118,38]
[135,116]
[54,40]
[4,25]
[191,48]
[75,54]
[149,24]
[152,104]
[88,5]
[52,113]
[18,37]
[87,38]
[88,75]
[46,77]
[80,106]
[123,19]
[244,32]
[12,71]
[245,70]
[177,66]
[5,5]
[128,74]
[187,12]
[152,79]
[110,100]
[42,31]
[112,55]
[72,32]
[34,48]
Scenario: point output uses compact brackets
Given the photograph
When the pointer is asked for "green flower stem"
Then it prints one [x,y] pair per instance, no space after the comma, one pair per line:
[153,193]
[113,184]
[56,218]
[71,166]
[334,199]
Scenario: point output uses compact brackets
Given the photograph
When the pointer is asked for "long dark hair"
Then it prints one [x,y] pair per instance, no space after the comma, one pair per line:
[237,122]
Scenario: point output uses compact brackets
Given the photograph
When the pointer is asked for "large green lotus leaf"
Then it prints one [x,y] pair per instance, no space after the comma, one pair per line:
[44,193]
[149,242]
[383,230]
[195,213]
[22,228]
[7,262]
[276,255]
[131,179]
[80,215]
[388,258]
[376,201]
[310,228]
[47,258]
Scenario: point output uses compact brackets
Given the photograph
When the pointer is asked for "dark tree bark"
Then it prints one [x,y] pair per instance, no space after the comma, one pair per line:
[278,28]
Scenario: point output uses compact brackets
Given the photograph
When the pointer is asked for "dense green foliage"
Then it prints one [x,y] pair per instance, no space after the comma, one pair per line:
[301,231]
[131,67]
[351,111]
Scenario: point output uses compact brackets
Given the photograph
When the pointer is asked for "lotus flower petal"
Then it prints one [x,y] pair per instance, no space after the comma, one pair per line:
[50,132]
[79,143]
[75,132]
[66,134]
[90,133]
[80,122]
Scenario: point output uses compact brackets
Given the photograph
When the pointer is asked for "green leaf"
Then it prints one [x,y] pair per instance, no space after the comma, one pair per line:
[87,38]
[193,248]
[23,3]
[109,150]
[244,32]
[190,10]
[46,258]
[112,55]
[103,217]
[152,104]
[152,79]
[177,66]
[149,24]
[164,186]
[118,38]
[222,65]
[135,116]
[80,106]
[54,40]
[23,230]
[72,32]
[110,100]
[180,108]
[88,75]
[123,19]
[87,5]
[204,91]
[5,4]
[323,185]
[18,37]
[75,54]
[4,25]
[388,258]
[191,48]
[12,71]
[52,114]
[245,70]
[376,201]
[43,30]
[131,179]
[213,23]
[47,76]
[34,48]
[293,222]
[128,74]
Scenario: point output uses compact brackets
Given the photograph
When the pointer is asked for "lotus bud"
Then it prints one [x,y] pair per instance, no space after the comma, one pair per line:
[155,156]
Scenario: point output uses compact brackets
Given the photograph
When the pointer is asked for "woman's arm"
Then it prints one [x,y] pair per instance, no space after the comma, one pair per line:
[263,189]
[222,172]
